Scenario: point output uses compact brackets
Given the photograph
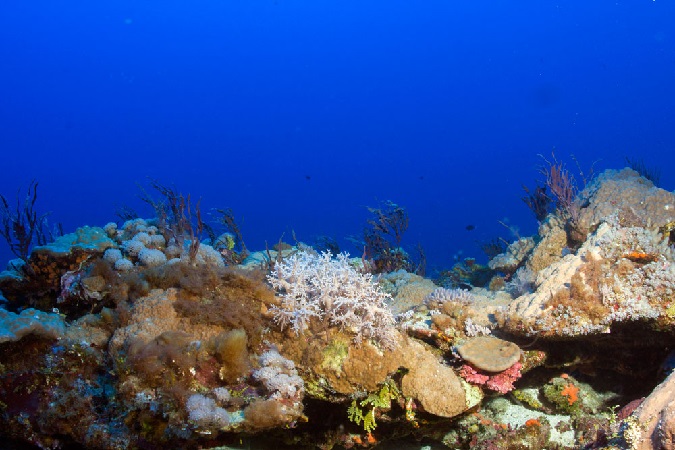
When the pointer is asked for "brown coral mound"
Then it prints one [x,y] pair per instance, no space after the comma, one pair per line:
[335,370]
[234,302]
[436,387]
[165,358]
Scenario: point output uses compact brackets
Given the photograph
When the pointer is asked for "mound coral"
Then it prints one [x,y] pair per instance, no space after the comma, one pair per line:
[151,257]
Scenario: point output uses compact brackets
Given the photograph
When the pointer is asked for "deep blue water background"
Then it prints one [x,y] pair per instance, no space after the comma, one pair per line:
[298,114]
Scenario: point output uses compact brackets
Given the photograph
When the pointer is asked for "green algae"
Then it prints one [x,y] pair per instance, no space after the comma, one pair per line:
[473,394]
[380,399]
[528,397]
[334,355]
[317,388]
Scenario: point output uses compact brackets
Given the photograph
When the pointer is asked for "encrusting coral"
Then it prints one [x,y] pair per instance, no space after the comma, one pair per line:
[501,382]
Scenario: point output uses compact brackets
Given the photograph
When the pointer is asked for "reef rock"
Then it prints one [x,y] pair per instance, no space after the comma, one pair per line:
[623,272]
[513,257]
[635,200]
[31,321]
[552,241]
[652,425]
[85,239]
[336,370]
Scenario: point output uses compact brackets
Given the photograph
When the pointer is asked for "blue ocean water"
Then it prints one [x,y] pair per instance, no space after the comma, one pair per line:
[299,114]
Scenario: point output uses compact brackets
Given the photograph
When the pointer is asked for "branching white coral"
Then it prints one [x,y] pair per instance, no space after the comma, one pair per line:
[279,376]
[472,329]
[442,295]
[330,289]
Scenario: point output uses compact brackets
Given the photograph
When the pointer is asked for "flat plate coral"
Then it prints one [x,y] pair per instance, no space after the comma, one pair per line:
[489,353]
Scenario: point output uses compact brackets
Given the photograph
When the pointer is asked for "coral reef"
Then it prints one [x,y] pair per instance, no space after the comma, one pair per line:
[141,335]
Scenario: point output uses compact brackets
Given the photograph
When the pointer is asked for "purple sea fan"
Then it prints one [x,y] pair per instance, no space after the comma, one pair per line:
[312,285]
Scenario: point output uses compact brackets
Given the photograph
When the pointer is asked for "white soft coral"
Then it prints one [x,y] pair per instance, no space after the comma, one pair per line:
[330,289]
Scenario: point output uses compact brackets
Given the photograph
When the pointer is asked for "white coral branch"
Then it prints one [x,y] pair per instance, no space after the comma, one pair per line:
[330,289]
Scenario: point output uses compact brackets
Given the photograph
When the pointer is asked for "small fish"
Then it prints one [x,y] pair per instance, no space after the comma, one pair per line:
[470,227]
[308,177]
